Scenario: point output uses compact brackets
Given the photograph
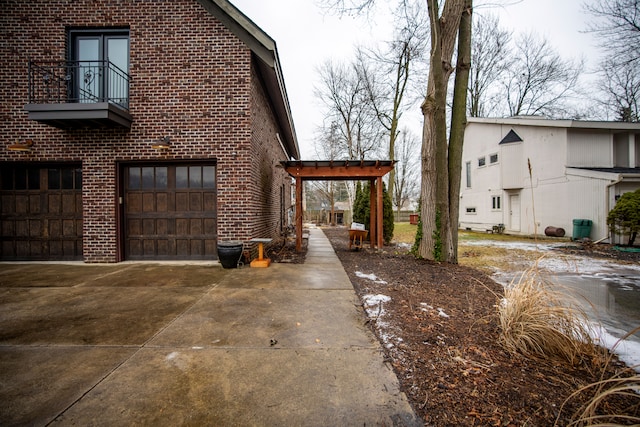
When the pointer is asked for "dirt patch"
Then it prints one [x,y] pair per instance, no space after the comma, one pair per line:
[439,329]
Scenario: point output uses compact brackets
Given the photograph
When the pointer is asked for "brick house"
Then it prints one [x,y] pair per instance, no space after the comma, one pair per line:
[139,130]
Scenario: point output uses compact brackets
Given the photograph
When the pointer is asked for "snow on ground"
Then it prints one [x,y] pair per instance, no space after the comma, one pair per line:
[371,277]
[627,351]
[374,306]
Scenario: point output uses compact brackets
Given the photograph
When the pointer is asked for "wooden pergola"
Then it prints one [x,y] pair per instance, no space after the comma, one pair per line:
[343,170]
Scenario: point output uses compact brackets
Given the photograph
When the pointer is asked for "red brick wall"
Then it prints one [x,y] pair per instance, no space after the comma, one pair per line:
[191,80]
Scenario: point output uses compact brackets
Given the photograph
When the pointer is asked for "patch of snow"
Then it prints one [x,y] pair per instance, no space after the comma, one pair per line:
[371,277]
[441,313]
[628,351]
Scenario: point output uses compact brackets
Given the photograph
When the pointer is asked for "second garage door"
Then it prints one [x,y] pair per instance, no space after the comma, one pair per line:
[170,212]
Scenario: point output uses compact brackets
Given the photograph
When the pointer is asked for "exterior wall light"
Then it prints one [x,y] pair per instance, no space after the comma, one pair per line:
[21,146]
[163,144]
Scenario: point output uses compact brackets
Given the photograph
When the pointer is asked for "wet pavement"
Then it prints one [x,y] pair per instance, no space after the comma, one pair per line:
[191,344]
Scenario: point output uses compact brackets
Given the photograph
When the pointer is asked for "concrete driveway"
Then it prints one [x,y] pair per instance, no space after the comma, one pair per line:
[163,344]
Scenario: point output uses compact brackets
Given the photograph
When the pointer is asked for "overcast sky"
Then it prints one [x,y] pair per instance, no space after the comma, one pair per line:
[306,37]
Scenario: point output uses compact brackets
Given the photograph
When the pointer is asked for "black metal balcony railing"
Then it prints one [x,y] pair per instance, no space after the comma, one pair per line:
[78,82]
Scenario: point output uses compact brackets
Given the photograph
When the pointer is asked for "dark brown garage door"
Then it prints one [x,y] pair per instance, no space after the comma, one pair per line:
[170,212]
[41,212]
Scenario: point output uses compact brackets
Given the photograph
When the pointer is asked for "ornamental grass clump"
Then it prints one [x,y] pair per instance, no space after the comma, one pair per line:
[538,321]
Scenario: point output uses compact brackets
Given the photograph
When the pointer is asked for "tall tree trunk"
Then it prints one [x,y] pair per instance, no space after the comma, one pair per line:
[458,124]
[437,241]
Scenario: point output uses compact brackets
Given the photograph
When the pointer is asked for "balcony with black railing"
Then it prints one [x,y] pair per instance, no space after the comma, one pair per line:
[72,94]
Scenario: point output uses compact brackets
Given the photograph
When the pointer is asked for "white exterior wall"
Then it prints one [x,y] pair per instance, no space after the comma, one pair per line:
[590,149]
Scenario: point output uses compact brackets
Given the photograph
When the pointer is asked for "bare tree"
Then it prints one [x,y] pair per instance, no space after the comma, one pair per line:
[538,80]
[349,116]
[407,169]
[490,50]
[621,84]
[617,31]
[617,26]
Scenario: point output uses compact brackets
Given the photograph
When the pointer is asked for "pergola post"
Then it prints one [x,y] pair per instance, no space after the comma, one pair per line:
[379,216]
[298,214]
[372,215]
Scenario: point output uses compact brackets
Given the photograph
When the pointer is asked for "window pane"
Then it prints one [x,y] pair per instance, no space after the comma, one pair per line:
[7,179]
[134,178]
[209,177]
[481,161]
[21,178]
[34,178]
[67,179]
[54,179]
[195,177]
[88,70]
[147,178]
[493,158]
[182,177]
[161,177]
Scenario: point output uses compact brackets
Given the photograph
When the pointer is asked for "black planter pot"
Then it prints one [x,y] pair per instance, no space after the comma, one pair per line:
[229,253]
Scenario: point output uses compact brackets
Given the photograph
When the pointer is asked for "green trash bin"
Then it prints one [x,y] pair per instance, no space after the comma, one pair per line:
[581,228]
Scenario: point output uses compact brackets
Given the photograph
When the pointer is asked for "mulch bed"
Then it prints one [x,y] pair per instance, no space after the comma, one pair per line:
[440,330]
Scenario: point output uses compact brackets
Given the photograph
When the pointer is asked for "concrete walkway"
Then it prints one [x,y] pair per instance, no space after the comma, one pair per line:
[161,344]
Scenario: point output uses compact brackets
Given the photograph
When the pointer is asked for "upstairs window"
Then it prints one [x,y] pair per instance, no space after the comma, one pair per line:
[493,158]
[482,161]
[100,65]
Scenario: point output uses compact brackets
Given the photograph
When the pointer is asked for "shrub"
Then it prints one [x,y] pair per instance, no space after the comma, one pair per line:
[624,218]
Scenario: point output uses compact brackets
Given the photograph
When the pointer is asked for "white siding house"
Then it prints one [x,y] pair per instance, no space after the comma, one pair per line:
[528,173]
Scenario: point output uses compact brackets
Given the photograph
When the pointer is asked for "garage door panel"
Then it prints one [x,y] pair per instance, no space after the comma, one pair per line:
[163,248]
[149,247]
[209,201]
[162,202]
[134,203]
[35,229]
[22,228]
[182,201]
[149,226]
[54,228]
[55,204]
[182,247]
[162,228]
[68,203]
[196,247]
[34,204]
[195,202]
[182,226]
[22,204]
[195,227]
[209,226]
[69,227]
[148,202]
[8,204]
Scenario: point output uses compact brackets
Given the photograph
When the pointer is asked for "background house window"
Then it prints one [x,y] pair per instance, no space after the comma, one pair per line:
[482,161]
[468,171]
[471,210]
[493,158]
[496,203]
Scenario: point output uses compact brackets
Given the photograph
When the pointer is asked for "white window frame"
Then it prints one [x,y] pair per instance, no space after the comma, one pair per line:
[496,206]
[482,159]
